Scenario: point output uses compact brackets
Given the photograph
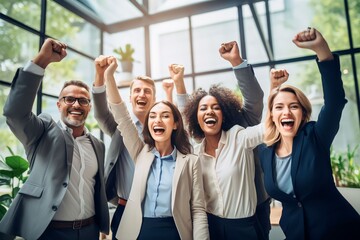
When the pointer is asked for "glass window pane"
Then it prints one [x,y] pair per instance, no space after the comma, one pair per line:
[294,17]
[225,79]
[25,11]
[73,30]
[255,50]
[222,26]
[161,5]
[354,11]
[169,44]
[5,132]
[112,11]
[135,37]
[17,47]
[73,67]
[328,17]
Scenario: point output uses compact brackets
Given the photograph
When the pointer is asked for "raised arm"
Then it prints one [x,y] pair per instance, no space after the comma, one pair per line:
[277,77]
[248,84]
[329,117]
[177,75]
[102,112]
[26,82]
[168,87]
[132,140]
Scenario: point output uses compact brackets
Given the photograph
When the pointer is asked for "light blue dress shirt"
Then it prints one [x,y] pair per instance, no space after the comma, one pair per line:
[157,202]
[283,173]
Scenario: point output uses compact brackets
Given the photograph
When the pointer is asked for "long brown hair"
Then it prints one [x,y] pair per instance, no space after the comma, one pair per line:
[179,136]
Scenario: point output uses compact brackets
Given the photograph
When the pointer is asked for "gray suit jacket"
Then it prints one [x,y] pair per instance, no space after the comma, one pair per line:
[108,125]
[251,116]
[49,149]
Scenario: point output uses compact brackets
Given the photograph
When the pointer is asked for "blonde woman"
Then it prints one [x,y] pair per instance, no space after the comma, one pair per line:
[296,162]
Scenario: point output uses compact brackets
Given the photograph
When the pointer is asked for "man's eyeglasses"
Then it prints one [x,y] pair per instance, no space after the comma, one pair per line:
[71,100]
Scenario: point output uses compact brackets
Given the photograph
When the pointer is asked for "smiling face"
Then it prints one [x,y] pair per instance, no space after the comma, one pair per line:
[74,115]
[210,116]
[161,123]
[142,97]
[287,114]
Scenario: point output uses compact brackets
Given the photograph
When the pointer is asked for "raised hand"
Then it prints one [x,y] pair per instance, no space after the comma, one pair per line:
[278,77]
[101,64]
[168,86]
[51,51]
[176,72]
[313,40]
[230,52]
[112,66]
[177,75]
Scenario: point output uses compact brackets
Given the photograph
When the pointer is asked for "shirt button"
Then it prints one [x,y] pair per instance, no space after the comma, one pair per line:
[54,208]
[64,184]
[299,204]
[112,164]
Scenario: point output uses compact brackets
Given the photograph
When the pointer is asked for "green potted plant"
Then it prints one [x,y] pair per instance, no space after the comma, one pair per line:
[13,174]
[126,57]
[346,174]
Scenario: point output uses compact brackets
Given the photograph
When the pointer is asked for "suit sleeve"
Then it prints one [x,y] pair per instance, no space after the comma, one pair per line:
[252,96]
[26,126]
[103,114]
[329,117]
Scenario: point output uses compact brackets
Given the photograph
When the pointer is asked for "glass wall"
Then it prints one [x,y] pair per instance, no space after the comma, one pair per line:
[21,36]
[194,42]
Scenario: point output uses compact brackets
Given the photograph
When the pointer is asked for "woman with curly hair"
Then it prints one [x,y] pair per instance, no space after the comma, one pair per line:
[227,159]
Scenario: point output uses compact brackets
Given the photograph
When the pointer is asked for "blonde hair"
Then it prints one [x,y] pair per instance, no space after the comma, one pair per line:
[272,135]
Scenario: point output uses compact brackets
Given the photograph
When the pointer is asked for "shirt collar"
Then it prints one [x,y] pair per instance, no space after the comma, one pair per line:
[171,157]
[222,142]
[66,128]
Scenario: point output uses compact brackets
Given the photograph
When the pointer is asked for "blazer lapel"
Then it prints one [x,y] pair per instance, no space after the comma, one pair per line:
[181,161]
[145,160]
[296,151]
[69,150]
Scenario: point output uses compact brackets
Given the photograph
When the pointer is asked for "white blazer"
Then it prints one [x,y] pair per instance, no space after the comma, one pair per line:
[187,204]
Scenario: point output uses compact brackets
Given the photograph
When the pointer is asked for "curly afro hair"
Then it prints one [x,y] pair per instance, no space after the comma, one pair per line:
[229,102]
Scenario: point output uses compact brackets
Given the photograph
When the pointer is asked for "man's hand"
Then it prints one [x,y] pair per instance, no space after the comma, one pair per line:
[177,75]
[230,52]
[168,86]
[278,77]
[51,51]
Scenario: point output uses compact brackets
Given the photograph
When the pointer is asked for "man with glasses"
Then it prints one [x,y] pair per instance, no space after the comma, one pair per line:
[64,196]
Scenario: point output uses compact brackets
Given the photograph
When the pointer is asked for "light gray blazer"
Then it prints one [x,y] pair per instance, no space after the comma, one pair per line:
[49,149]
[108,125]
[187,200]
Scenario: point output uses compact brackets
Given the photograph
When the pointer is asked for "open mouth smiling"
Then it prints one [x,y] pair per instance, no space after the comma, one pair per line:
[210,121]
[141,102]
[287,123]
[158,130]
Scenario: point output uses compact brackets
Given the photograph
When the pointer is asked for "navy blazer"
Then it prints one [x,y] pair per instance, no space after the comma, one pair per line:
[316,210]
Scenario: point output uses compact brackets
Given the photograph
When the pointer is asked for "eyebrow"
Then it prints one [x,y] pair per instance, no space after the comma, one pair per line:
[161,112]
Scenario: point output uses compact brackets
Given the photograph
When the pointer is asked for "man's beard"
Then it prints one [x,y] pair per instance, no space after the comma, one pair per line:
[73,123]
